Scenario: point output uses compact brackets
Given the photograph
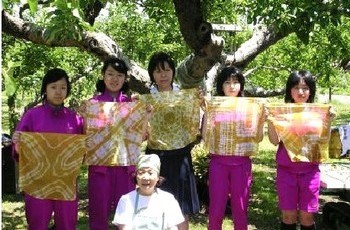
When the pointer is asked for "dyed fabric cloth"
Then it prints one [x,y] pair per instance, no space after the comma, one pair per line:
[49,164]
[115,131]
[344,133]
[232,125]
[175,120]
[303,128]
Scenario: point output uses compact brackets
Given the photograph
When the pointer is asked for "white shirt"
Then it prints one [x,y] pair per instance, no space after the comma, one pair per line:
[154,211]
[154,88]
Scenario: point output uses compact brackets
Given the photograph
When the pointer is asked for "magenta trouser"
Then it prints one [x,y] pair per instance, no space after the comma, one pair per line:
[298,183]
[106,184]
[39,212]
[229,176]
[298,190]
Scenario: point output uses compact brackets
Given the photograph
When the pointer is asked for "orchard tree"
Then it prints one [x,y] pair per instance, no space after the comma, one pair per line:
[277,37]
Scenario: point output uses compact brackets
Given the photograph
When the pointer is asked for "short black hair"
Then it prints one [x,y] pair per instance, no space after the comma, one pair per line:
[225,74]
[120,66]
[158,60]
[51,76]
[294,78]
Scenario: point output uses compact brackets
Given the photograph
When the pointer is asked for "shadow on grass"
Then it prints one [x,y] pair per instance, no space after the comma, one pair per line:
[12,212]
[263,211]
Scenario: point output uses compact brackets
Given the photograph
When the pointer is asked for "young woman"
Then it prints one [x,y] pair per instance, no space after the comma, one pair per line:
[177,165]
[51,117]
[106,184]
[229,174]
[148,207]
[298,183]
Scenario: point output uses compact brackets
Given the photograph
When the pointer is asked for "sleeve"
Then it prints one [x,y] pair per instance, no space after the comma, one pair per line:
[124,211]
[173,213]
[26,125]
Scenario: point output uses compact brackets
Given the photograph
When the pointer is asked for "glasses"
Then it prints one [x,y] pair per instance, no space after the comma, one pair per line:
[304,89]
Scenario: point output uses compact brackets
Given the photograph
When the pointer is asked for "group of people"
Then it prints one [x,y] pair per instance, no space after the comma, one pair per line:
[136,194]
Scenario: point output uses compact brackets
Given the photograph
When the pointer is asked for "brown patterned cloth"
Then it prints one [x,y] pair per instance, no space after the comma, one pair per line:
[232,125]
[175,121]
[115,130]
[49,164]
[304,129]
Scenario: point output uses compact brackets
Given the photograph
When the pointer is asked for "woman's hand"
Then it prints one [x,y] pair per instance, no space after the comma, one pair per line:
[332,113]
[135,97]
[149,112]
[149,109]
[200,95]
[82,108]
[89,143]
[16,137]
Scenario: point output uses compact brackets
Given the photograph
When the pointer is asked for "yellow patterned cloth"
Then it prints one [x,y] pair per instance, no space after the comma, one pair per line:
[175,120]
[49,164]
[232,125]
[304,129]
[115,130]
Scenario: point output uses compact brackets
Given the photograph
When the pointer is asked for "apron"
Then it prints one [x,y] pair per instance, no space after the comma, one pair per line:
[147,219]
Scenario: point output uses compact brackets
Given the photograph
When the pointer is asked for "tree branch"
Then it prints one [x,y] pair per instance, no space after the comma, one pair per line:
[98,44]
[261,39]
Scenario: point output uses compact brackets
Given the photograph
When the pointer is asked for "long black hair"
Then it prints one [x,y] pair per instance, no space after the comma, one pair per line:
[225,74]
[51,76]
[294,78]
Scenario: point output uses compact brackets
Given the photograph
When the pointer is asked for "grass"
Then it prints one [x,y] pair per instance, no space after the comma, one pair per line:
[263,211]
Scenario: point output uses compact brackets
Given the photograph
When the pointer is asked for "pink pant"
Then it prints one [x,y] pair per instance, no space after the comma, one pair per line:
[225,179]
[298,191]
[39,213]
[106,184]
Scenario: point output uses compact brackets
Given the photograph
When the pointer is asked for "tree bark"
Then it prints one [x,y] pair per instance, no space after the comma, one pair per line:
[261,39]
[198,34]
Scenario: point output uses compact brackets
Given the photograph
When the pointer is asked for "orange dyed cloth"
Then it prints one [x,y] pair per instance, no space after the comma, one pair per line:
[49,164]
[175,121]
[232,125]
[303,128]
[115,130]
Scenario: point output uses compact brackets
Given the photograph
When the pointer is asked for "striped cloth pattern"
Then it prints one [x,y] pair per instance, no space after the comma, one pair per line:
[115,130]
[232,125]
[304,129]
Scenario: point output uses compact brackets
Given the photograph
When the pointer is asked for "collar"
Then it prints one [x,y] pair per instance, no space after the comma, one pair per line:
[154,88]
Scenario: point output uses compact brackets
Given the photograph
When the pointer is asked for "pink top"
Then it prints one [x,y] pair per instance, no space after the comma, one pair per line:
[49,119]
[106,97]
[283,160]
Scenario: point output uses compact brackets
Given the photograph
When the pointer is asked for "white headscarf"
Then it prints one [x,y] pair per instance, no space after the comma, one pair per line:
[149,161]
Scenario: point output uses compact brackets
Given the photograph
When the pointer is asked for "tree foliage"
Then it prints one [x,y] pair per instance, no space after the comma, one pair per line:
[275,37]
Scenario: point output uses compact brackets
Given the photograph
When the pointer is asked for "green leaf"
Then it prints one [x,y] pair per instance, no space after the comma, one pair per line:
[9,81]
[33,6]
